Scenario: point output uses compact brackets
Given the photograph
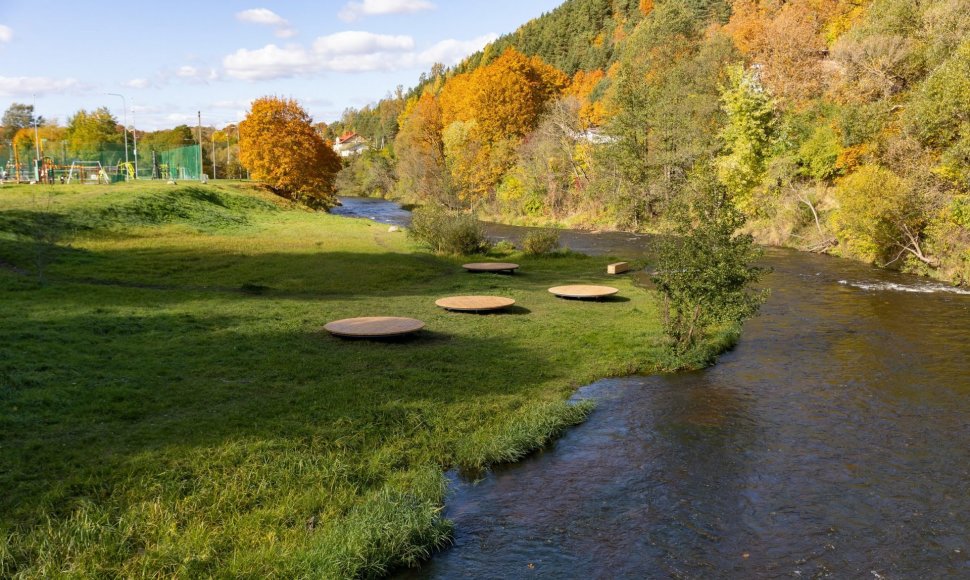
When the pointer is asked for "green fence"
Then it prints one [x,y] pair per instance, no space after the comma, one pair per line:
[104,163]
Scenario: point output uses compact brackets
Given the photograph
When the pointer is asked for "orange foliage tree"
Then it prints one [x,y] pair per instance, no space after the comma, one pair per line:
[280,147]
[420,149]
[497,105]
[505,98]
[789,40]
[591,113]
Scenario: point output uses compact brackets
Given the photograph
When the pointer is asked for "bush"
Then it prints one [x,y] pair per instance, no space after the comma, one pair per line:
[538,242]
[448,232]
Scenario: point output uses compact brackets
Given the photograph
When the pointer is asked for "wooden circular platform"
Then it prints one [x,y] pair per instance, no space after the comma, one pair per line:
[490,267]
[583,291]
[373,326]
[474,303]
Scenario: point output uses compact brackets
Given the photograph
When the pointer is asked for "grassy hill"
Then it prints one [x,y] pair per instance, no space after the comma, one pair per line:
[171,407]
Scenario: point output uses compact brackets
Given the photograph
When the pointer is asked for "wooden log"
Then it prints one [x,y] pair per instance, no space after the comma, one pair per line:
[618,268]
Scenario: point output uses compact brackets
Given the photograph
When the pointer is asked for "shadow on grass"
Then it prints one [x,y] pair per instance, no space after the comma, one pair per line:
[605,299]
[87,393]
[277,275]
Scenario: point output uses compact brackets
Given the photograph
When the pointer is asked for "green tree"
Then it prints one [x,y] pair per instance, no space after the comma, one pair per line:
[19,116]
[705,271]
[88,131]
[748,136]
[881,217]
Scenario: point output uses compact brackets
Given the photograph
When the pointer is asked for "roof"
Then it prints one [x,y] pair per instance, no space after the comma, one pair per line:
[346,137]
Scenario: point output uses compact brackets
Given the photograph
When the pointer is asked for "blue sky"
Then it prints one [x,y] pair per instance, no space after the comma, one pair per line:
[171,59]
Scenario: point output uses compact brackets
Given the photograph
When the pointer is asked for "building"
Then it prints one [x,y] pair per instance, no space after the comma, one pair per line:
[350,143]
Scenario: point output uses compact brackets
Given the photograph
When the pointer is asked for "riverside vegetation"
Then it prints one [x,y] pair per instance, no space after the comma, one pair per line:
[171,406]
[837,126]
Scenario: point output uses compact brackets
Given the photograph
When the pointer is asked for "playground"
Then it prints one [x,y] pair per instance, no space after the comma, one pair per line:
[43,161]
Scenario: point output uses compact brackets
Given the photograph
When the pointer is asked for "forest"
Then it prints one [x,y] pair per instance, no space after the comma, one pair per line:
[837,126]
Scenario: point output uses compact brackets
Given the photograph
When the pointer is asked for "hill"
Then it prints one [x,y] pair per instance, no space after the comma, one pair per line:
[838,126]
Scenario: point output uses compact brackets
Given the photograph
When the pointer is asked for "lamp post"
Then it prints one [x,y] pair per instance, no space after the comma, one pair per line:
[124,103]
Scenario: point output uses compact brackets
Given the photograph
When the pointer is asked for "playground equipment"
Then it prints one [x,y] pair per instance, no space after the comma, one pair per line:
[88,172]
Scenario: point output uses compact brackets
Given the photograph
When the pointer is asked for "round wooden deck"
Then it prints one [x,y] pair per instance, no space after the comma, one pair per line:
[491,267]
[474,303]
[583,291]
[373,327]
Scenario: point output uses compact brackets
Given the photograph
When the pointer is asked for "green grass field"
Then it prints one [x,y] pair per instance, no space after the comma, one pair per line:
[170,406]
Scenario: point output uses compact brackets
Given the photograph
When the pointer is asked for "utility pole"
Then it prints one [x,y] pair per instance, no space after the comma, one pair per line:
[36,141]
[134,135]
[213,154]
[228,151]
[200,145]
[124,103]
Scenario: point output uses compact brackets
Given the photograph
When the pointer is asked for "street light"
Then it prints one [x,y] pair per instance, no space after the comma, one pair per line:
[124,103]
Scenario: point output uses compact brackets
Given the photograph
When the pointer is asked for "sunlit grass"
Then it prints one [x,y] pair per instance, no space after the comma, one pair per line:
[170,406]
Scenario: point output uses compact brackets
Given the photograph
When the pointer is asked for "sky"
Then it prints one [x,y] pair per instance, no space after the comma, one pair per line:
[171,59]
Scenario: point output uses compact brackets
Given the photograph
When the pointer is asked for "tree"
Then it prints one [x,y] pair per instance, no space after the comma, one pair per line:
[492,109]
[280,147]
[706,270]
[19,116]
[88,131]
[747,138]
[420,152]
[882,217]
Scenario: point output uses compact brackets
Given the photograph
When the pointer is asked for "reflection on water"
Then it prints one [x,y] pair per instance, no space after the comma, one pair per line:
[834,440]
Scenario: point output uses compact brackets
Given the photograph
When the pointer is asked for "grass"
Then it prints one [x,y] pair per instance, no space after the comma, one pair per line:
[170,407]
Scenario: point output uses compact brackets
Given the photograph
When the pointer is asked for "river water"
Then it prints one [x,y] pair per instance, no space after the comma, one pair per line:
[833,441]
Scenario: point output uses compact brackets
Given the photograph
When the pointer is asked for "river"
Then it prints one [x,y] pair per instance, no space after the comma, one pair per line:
[834,440]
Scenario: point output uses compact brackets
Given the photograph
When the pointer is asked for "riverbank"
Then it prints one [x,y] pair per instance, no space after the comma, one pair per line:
[172,407]
[773,234]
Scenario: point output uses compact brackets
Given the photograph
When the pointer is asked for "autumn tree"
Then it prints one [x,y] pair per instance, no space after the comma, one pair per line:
[280,147]
[583,87]
[881,217]
[420,151]
[496,105]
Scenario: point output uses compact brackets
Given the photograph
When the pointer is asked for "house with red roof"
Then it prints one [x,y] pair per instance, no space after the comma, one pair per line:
[350,143]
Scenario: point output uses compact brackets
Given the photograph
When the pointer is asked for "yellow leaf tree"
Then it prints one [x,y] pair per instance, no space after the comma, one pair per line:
[280,147]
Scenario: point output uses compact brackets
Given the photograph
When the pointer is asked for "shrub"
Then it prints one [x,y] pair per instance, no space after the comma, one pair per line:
[539,242]
[448,232]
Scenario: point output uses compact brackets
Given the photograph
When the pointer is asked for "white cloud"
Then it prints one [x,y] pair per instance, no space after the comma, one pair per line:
[181,118]
[23,86]
[451,52]
[269,62]
[6,34]
[138,83]
[354,10]
[357,42]
[348,51]
[196,74]
[267,17]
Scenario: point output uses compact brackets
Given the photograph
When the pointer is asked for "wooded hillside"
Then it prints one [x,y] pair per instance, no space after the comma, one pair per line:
[839,126]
